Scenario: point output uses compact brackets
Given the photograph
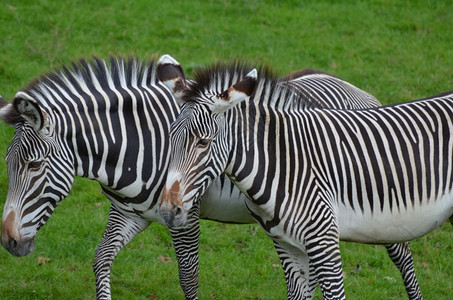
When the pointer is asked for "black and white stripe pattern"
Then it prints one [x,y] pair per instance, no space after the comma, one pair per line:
[105,120]
[329,91]
[109,121]
[313,175]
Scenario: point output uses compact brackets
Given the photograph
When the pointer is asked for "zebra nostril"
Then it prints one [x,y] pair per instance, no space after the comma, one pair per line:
[178,211]
[13,243]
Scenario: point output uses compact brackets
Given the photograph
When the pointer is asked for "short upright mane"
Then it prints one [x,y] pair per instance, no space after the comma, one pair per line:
[117,71]
[216,78]
[86,77]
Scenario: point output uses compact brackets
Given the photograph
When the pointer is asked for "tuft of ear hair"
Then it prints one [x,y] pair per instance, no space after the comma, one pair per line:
[8,113]
[5,111]
[170,72]
[3,102]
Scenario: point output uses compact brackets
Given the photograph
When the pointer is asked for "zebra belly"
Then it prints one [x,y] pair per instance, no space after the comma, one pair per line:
[385,226]
[224,202]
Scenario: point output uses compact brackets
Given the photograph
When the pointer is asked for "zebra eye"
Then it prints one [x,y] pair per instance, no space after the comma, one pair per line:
[35,164]
[203,142]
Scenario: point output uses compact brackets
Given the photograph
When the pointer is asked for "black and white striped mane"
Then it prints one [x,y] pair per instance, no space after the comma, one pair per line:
[216,78]
[119,70]
[90,76]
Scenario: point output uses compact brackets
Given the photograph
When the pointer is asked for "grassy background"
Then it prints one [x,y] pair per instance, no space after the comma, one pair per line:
[396,51]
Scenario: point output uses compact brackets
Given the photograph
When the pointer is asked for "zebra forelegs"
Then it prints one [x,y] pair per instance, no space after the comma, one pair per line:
[119,232]
[324,255]
[185,240]
[401,256]
[296,267]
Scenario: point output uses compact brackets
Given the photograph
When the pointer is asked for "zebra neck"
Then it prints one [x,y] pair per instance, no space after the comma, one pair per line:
[122,143]
[257,150]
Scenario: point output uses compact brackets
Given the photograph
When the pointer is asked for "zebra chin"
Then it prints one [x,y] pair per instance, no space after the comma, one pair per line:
[18,248]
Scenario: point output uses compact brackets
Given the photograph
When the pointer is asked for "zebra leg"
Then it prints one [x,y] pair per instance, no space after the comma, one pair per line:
[296,267]
[323,249]
[401,256]
[185,240]
[326,260]
[120,231]
[313,282]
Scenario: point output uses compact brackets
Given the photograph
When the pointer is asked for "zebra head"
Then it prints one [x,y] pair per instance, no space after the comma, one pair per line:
[37,173]
[199,145]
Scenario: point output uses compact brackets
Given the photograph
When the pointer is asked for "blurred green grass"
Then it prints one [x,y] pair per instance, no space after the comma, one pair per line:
[396,50]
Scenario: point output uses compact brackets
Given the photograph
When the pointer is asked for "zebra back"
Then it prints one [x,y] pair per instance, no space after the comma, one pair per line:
[329,91]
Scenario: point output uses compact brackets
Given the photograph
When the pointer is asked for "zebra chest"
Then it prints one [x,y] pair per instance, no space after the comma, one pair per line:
[276,222]
[143,205]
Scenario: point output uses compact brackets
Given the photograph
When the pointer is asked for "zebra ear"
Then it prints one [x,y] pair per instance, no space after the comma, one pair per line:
[236,93]
[29,109]
[170,72]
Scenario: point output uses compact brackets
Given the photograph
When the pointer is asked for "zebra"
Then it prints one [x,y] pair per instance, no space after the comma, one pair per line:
[76,122]
[107,120]
[312,175]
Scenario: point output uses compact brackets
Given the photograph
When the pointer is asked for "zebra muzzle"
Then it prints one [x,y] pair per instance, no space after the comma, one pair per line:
[173,215]
[12,240]
[170,208]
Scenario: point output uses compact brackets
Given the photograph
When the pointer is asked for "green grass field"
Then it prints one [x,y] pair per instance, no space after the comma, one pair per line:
[396,51]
